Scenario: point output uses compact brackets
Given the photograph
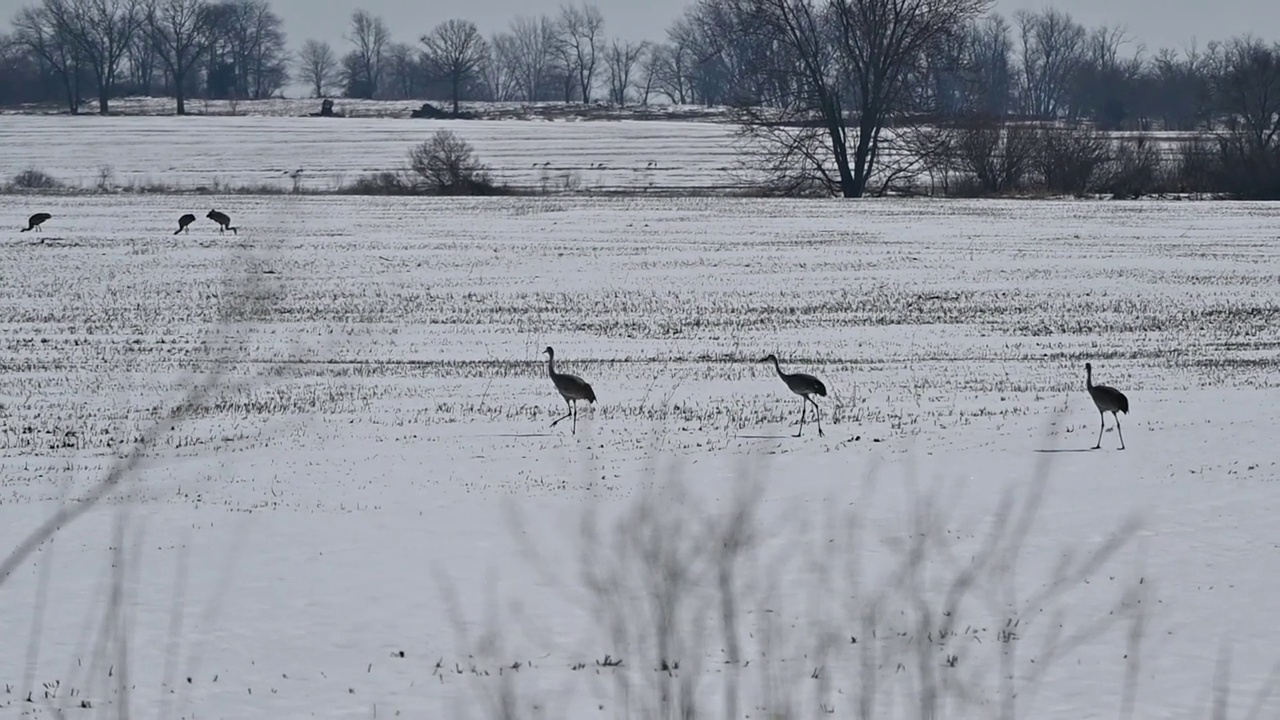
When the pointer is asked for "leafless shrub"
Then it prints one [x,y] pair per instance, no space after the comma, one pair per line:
[997,156]
[824,613]
[781,158]
[1195,168]
[914,158]
[1248,170]
[106,176]
[447,165]
[379,183]
[1071,159]
[1135,169]
[33,179]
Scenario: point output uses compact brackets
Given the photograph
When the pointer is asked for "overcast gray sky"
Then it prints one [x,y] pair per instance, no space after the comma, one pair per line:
[1157,23]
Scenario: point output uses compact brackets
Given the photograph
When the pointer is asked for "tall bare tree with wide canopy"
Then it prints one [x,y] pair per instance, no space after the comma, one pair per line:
[178,30]
[455,52]
[830,64]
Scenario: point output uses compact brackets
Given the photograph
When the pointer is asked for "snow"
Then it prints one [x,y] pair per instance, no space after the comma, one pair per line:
[274,145]
[381,478]
[220,152]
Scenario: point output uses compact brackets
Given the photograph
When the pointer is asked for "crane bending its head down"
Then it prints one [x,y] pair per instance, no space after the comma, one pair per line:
[34,222]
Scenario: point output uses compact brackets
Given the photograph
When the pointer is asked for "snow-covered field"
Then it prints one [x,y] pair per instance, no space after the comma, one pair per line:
[371,516]
[188,153]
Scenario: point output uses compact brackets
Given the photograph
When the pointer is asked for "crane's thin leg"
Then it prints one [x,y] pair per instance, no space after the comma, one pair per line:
[567,416]
[804,408]
[817,411]
[1102,418]
[1118,431]
[575,417]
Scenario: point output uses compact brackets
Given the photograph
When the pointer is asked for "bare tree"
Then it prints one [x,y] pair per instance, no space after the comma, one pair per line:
[561,72]
[142,62]
[645,83]
[581,33]
[36,29]
[1249,91]
[403,73]
[24,76]
[825,59]
[370,36]
[726,66]
[101,32]
[1181,91]
[881,41]
[317,65]
[621,58]
[178,30]
[655,66]
[533,54]
[499,72]
[455,50]
[1104,86]
[989,58]
[794,145]
[1052,49]
[670,64]
[255,41]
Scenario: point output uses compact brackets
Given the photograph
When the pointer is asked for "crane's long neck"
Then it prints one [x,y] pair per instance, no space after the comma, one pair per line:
[551,363]
[778,367]
[1088,377]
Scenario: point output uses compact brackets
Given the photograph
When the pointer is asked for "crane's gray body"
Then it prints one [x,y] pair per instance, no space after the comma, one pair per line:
[1108,400]
[805,386]
[571,387]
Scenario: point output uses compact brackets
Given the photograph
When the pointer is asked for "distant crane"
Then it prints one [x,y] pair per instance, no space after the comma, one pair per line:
[34,222]
[223,220]
[571,387]
[185,221]
[804,386]
[1108,400]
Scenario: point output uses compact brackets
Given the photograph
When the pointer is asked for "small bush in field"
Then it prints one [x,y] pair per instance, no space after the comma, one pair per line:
[447,165]
[34,180]
[380,183]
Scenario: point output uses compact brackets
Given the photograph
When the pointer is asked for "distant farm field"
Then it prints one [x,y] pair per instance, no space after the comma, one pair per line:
[187,153]
[552,148]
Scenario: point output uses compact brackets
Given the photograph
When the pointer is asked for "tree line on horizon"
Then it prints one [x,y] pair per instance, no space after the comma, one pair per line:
[844,69]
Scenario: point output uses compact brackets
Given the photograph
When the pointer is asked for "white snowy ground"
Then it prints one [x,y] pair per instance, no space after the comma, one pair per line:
[210,152]
[377,520]
[266,143]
